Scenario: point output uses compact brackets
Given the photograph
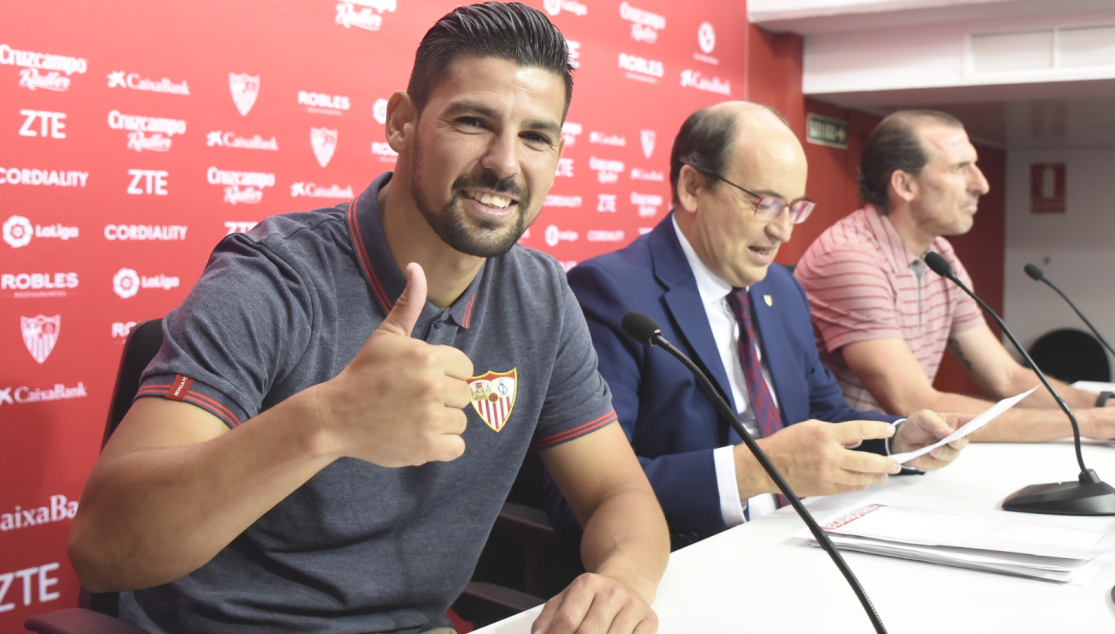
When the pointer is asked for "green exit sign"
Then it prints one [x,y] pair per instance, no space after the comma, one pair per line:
[825,131]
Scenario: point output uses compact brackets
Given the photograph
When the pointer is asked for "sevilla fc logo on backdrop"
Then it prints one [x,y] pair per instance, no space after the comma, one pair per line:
[40,334]
[245,89]
[493,396]
[324,141]
[647,137]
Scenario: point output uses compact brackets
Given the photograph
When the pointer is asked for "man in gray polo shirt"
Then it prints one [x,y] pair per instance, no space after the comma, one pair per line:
[344,398]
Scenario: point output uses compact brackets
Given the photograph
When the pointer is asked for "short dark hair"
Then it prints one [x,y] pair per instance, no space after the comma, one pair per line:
[895,145]
[704,143]
[510,31]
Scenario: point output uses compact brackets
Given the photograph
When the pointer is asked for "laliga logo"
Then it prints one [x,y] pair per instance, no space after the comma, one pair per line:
[125,283]
[17,231]
[245,89]
[324,141]
[554,235]
[706,37]
[379,111]
[40,334]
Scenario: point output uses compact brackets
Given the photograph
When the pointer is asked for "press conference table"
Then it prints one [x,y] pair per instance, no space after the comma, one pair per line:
[759,578]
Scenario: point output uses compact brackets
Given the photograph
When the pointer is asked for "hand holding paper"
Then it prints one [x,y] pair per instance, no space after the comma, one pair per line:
[971,427]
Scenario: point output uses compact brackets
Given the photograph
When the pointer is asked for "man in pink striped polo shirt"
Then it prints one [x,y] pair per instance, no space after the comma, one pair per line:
[883,319]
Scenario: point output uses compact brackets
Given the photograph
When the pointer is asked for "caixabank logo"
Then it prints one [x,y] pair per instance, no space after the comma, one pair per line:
[219,138]
[127,282]
[133,81]
[363,14]
[18,231]
[43,70]
[19,517]
[313,190]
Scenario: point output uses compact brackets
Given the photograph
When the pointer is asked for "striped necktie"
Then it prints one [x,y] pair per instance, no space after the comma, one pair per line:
[767,416]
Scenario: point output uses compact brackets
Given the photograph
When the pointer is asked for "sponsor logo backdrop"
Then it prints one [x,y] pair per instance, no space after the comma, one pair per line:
[127,151]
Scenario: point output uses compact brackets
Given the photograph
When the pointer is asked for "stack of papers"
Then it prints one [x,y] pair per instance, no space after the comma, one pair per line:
[973,540]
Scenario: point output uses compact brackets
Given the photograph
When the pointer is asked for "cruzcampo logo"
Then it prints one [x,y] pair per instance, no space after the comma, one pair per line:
[493,396]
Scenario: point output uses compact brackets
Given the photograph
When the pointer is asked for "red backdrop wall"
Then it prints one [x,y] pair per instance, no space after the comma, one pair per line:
[134,136]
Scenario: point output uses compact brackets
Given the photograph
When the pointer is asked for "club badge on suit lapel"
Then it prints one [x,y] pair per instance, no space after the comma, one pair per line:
[493,396]
[769,300]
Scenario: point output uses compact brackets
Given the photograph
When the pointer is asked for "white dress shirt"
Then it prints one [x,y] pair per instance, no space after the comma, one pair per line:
[725,330]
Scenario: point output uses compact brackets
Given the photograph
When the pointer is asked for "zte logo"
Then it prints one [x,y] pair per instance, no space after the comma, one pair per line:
[35,577]
[238,227]
[50,124]
[148,182]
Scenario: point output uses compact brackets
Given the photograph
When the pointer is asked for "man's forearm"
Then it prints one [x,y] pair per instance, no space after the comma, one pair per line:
[627,539]
[150,516]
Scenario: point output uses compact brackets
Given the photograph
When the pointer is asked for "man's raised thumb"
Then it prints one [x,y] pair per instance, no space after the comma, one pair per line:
[408,307]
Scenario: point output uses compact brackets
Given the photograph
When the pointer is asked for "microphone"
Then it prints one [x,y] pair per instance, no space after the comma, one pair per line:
[1037,275]
[643,329]
[1089,495]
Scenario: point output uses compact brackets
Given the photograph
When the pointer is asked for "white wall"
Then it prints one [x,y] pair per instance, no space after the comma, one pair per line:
[1076,250]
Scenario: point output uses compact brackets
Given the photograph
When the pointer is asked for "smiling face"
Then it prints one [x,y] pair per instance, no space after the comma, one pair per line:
[767,159]
[485,152]
[946,194]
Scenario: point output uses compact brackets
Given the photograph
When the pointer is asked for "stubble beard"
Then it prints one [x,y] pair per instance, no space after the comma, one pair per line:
[481,237]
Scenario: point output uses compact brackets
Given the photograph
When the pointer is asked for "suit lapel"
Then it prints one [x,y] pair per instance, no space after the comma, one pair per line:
[684,304]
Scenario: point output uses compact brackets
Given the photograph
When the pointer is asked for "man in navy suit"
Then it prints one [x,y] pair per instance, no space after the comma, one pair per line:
[738,176]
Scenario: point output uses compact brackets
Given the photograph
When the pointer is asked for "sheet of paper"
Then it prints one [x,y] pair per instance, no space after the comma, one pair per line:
[971,427]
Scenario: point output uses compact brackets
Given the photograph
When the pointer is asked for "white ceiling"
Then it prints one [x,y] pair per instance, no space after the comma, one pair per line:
[861,42]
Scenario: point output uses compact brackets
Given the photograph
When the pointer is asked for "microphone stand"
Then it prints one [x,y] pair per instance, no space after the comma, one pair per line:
[643,329]
[1089,495]
[1035,273]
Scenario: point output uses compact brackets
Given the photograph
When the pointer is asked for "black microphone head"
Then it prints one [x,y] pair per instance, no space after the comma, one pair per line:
[938,264]
[641,328]
[1034,272]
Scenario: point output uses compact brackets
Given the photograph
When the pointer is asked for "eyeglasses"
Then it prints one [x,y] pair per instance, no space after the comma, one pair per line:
[769,207]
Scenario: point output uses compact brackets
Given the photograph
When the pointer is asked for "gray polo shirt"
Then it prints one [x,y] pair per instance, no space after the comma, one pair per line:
[359,547]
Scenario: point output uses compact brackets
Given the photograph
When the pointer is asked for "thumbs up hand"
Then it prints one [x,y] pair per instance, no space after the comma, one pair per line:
[399,401]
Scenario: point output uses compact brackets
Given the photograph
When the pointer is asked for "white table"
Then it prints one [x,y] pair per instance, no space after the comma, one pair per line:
[758,578]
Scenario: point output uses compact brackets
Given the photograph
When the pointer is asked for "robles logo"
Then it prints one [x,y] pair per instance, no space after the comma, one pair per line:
[322,103]
[349,16]
[124,79]
[251,182]
[126,283]
[36,285]
[18,231]
[383,150]
[641,69]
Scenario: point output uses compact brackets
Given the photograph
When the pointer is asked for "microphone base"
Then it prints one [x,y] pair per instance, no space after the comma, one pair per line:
[1063,498]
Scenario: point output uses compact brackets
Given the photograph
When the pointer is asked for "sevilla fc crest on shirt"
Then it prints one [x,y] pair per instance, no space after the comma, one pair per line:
[245,89]
[324,141]
[493,396]
[40,334]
